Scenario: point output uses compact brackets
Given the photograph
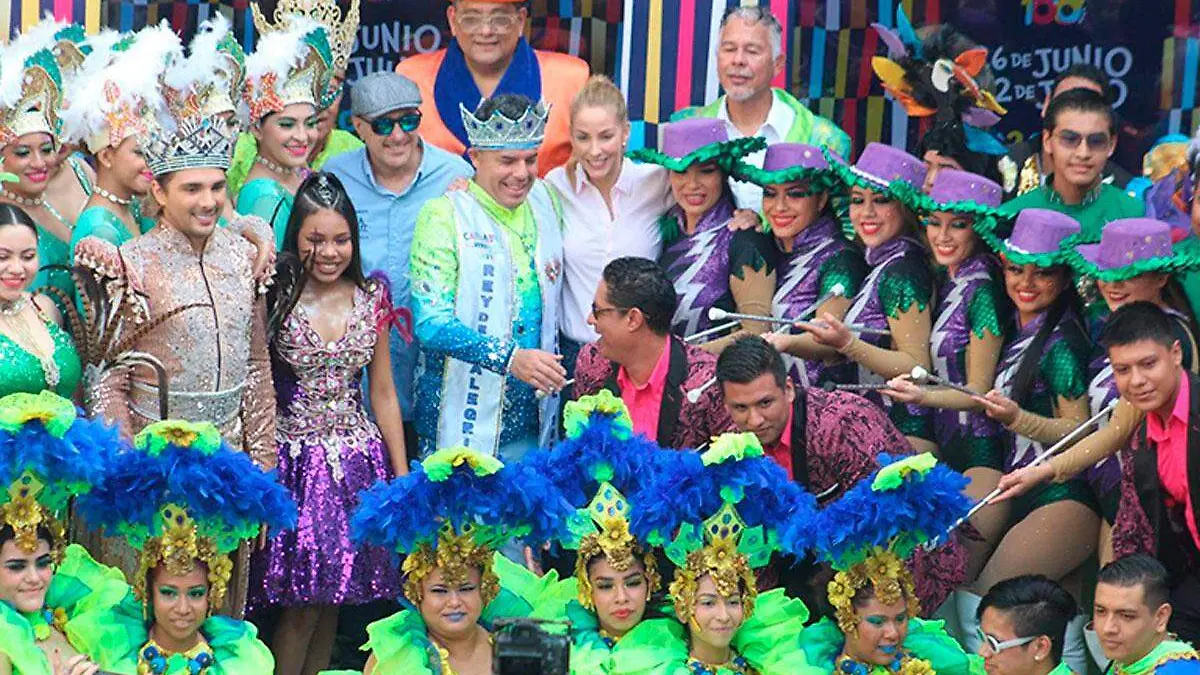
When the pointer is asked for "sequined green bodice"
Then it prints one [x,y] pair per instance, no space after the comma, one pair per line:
[23,371]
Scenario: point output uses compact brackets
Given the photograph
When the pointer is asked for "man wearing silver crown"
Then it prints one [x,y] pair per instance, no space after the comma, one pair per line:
[486,276]
[191,301]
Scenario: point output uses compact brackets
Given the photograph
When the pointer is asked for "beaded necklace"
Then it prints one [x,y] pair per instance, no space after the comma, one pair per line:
[738,664]
[45,621]
[904,664]
[154,660]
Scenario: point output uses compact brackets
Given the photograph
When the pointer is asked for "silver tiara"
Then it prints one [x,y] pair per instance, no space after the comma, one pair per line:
[500,132]
[195,144]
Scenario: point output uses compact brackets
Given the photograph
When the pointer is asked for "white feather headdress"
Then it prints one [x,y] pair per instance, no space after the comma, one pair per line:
[30,89]
[215,67]
[289,66]
[118,91]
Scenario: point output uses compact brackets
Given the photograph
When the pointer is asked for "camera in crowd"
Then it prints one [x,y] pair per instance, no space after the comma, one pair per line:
[525,647]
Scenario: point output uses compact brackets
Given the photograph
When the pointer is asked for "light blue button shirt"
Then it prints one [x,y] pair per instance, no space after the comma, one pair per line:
[386,221]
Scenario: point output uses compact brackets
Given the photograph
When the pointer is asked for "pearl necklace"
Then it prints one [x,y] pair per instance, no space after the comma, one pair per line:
[111,197]
[277,168]
[23,201]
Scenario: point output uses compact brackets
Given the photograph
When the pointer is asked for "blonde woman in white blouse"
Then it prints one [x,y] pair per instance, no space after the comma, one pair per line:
[612,205]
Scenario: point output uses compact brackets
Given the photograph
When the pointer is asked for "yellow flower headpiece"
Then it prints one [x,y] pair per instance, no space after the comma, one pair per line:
[885,572]
[720,558]
[609,511]
[456,554]
[25,514]
[178,546]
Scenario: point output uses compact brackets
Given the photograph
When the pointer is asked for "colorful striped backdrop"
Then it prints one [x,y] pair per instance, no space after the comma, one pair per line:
[660,51]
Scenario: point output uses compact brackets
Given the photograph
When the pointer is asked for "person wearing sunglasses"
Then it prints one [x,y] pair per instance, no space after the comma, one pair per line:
[388,181]
[487,57]
[1022,626]
[1080,137]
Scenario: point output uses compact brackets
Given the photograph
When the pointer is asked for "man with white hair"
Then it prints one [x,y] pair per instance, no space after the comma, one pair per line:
[749,56]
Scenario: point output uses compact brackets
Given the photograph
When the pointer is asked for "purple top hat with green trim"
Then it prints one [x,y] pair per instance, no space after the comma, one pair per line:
[698,140]
[952,186]
[786,163]
[1130,247]
[882,168]
[1037,238]
[956,191]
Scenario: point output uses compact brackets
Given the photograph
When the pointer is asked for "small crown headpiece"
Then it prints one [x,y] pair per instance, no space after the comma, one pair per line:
[342,31]
[195,142]
[499,132]
[289,66]
[30,92]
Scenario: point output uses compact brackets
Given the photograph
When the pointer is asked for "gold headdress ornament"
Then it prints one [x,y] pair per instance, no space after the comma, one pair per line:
[215,68]
[342,32]
[289,66]
[451,512]
[609,510]
[178,524]
[876,525]
[720,558]
[47,456]
[728,507]
[30,93]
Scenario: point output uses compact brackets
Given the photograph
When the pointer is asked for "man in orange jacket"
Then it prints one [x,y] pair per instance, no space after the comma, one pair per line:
[490,56]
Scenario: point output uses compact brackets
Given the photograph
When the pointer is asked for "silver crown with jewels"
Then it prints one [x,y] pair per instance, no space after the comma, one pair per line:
[194,144]
[500,132]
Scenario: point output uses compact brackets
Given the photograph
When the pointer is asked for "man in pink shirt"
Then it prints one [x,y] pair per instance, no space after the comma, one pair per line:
[669,386]
[1160,470]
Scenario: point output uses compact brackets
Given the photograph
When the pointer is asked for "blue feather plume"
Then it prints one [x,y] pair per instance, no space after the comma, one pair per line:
[68,466]
[686,491]
[514,502]
[920,509]
[225,493]
[572,465]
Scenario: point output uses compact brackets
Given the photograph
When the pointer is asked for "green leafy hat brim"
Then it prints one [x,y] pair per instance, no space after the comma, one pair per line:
[850,178]
[926,204]
[821,179]
[1017,256]
[724,152]
[1185,257]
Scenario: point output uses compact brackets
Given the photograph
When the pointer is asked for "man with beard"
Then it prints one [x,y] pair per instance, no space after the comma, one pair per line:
[388,182]
[750,55]
[486,290]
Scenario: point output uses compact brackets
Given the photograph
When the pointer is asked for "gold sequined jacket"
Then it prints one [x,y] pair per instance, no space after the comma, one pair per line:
[215,354]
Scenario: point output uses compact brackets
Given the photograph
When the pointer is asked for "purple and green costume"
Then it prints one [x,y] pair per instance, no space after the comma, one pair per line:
[1062,366]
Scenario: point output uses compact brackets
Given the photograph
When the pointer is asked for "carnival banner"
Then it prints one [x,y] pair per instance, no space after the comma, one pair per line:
[661,51]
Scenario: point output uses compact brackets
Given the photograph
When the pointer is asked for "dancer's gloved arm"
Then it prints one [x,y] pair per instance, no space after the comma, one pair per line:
[1098,445]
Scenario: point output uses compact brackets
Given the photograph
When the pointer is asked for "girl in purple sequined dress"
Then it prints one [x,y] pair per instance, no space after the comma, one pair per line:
[328,323]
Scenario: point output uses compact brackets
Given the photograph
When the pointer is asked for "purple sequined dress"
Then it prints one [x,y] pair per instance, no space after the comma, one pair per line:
[1105,475]
[329,451]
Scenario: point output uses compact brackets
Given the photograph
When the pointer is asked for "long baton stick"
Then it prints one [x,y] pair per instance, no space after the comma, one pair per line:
[1066,440]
